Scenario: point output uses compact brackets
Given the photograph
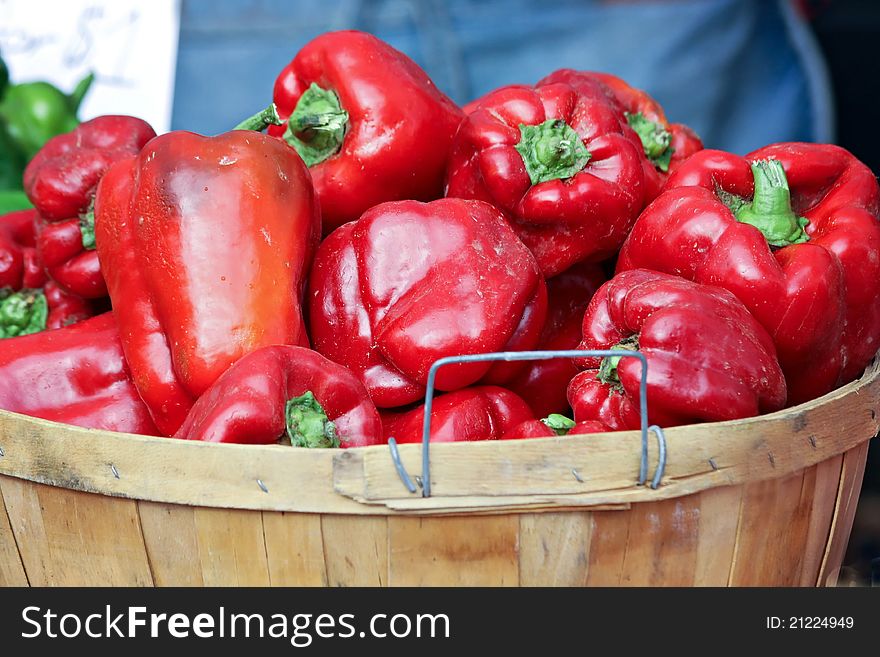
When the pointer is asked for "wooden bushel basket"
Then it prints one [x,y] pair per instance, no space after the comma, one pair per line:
[763,501]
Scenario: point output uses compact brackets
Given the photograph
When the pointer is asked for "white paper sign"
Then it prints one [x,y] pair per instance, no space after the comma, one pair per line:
[130,45]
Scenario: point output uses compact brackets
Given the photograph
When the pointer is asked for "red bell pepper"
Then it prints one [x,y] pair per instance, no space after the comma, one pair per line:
[543,383]
[66,309]
[554,425]
[409,283]
[28,302]
[708,358]
[60,181]
[368,122]
[75,375]
[205,243]
[477,413]
[19,264]
[665,144]
[561,162]
[792,230]
[287,393]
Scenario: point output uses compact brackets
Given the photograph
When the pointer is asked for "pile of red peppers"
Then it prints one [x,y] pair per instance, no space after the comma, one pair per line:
[293,280]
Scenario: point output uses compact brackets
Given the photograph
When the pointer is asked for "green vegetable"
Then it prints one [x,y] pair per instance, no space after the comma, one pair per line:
[12,200]
[4,77]
[12,161]
[34,112]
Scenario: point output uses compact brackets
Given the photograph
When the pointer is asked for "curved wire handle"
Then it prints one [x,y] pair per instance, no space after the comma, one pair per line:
[425,479]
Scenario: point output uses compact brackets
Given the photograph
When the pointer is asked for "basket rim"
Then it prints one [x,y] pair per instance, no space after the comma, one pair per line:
[473,477]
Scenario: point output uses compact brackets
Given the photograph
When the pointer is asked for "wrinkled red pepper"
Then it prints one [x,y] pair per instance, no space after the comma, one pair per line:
[28,302]
[19,264]
[75,375]
[288,393]
[205,243]
[708,358]
[61,180]
[561,162]
[666,144]
[477,413]
[409,283]
[543,383]
[66,309]
[368,122]
[792,230]
[554,425]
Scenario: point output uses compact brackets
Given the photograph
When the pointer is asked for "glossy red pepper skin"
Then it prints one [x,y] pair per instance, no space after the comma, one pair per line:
[75,268]
[684,142]
[76,375]
[19,265]
[537,429]
[409,283]
[247,403]
[205,243]
[582,217]
[591,398]
[818,299]
[477,413]
[708,358]
[543,383]
[61,180]
[400,126]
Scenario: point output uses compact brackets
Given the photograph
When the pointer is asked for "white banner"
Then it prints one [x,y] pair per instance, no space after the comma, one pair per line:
[130,45]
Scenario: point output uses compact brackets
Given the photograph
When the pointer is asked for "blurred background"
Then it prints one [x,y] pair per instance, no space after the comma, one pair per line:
[742,73]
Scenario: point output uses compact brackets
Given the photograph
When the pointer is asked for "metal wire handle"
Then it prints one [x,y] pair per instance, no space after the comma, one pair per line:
[425,479]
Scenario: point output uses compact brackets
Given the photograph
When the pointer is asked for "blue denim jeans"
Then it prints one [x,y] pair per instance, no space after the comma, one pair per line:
[742,73]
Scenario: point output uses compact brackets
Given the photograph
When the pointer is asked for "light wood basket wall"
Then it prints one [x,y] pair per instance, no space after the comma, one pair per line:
[763,501]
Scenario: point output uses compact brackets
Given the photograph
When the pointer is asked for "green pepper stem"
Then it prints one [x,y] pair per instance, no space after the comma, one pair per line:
[317,126]
[608,366]
[308,424]
[23,312]
[558,424]
[261,120]
[770,210]
[656,140]
[80,90]
[87,227]
[551,150]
